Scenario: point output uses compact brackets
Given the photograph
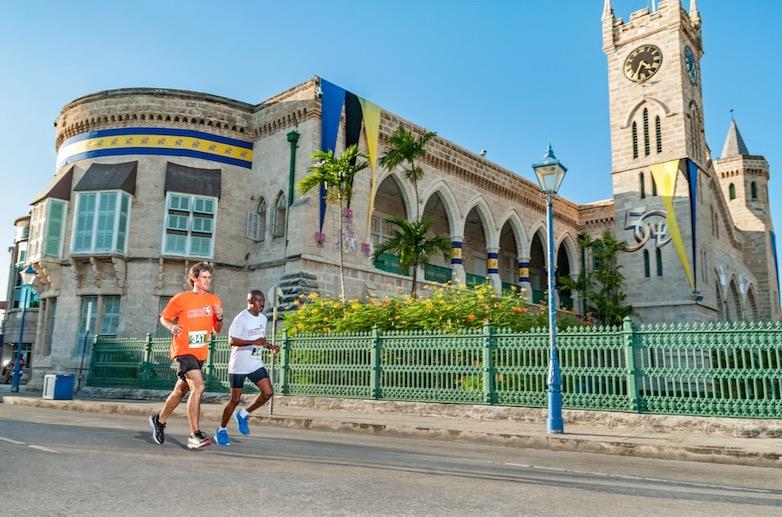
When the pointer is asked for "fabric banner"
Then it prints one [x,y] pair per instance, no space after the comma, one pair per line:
[333,98]
[692,179]
[665,175]
[371,114]
[352,125]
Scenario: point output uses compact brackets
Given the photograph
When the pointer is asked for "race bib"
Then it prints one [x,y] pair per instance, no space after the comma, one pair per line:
[256,351]
[197,338]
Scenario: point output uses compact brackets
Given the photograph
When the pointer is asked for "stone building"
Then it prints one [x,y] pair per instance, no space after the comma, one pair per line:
[150,181]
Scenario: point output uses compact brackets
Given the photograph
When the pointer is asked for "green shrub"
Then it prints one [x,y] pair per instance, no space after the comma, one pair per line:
[448,309]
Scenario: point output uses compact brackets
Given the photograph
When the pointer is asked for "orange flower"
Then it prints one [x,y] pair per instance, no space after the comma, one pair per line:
[519,310]
[471,317]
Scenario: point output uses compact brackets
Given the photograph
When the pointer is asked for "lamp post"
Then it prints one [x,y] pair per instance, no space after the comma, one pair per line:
[550,173]
[27,275]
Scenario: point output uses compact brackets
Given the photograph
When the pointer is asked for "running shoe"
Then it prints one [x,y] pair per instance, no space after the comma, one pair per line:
[198,440]
[244,423]
[158,430]
[221,437]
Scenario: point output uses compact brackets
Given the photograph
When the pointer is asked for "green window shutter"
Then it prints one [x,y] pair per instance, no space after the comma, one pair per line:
[55,220]
[85,220]
[122,226]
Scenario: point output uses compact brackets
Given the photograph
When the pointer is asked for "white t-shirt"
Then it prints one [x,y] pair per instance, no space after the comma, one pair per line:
[246,359]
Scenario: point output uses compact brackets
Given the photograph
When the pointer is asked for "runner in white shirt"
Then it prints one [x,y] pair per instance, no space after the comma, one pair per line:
[246,337]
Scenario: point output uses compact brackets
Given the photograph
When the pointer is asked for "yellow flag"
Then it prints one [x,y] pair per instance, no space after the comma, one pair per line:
[371,115]
[665,175]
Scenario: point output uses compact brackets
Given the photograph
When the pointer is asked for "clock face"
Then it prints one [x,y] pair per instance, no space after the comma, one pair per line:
[643,62]
[691,65]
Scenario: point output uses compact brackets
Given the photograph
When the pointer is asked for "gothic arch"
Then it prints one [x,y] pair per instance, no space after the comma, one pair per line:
[647,99]
[752,304]
[539,229]
[520,234]
[442,189]
[489,226]
[404,187]
[569,243]
[734,297]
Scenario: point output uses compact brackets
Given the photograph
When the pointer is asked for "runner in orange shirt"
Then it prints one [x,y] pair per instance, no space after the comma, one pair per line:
[191,317]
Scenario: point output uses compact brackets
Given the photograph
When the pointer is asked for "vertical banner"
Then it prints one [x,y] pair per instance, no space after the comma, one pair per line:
[352,124]
[371,114]
[665,175]
[692,179]
[333,97]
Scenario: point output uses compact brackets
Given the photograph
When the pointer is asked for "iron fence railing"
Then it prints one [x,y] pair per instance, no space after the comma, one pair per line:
[712,369]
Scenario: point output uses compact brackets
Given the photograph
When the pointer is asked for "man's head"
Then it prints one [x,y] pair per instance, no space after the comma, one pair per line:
[256,300]
[200,276]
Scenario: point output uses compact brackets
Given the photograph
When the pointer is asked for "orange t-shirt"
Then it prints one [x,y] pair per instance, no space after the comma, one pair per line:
[195,313]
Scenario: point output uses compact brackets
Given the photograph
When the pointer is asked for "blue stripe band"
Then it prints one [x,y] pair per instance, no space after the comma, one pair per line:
[157,150]
[158,131]
[456,244]
[456,261]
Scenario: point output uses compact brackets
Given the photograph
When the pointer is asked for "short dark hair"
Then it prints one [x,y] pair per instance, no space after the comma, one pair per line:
[197,269]
[255,292]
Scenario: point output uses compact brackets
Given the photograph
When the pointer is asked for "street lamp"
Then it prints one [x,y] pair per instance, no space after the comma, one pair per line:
[27,275]
[550,173]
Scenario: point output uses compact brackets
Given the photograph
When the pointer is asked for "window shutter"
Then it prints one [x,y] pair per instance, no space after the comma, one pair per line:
[252,226]
[54,227]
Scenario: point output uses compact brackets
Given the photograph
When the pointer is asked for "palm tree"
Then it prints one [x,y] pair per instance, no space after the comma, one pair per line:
[410,240]
[336,174]
[404,149]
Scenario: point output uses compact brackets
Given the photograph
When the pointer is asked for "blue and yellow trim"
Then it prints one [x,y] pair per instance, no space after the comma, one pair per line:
[156,141]
[456,252]
[492,263]
[523,272]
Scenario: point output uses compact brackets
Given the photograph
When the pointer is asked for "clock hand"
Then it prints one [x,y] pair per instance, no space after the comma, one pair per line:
[638,70]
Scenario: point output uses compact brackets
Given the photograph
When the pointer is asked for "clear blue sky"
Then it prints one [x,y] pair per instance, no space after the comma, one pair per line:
[506,76]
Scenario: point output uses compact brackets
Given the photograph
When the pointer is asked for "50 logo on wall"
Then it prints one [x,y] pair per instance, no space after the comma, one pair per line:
[646,225]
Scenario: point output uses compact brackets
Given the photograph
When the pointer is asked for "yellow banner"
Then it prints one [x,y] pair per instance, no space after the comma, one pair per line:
[371,116]
[665,175]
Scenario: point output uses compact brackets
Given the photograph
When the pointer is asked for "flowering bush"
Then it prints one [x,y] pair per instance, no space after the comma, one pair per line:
[448,309]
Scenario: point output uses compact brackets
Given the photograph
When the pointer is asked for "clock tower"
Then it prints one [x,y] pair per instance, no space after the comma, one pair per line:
[656,115]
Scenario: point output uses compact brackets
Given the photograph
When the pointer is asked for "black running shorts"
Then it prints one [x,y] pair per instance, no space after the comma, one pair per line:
[187,363]
[237,379]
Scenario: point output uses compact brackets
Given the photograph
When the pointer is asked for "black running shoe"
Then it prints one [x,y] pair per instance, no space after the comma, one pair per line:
[198,440]
[158,430]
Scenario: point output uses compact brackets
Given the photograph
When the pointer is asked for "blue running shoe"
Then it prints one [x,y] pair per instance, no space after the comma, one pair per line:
[221,437]
[244,426]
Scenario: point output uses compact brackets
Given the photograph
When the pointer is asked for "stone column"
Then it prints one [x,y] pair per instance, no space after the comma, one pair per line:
[492,268]
[524,278]
[457,269]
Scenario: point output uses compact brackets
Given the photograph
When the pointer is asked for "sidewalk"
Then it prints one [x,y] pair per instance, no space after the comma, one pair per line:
[626,435]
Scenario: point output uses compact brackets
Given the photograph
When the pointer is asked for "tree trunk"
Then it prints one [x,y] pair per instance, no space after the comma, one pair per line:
[417,211]
[415,282]
[341,256]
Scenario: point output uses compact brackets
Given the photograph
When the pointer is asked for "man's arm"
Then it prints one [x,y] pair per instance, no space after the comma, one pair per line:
[235,341]
[171,326]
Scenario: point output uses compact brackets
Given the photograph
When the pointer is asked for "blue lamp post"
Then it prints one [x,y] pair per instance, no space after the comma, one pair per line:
[550,173]
[27,275]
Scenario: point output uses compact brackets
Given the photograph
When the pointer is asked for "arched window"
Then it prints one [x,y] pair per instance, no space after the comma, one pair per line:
[635,140]
[658,133]
[278,216]
[262,220]
[732,191]
[647,146]
[753,189]
[256,222]
[647,268]
[643,185]
[654,187]
[659,256]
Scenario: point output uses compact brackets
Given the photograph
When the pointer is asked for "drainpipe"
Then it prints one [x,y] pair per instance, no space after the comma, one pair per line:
[293,139]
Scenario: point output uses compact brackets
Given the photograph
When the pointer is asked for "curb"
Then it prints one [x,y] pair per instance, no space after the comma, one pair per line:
[705,454]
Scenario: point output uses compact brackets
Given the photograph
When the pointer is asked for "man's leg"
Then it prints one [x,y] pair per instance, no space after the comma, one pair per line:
[173,400]
[261,379]
[236,397]
[263,397]
[195,382]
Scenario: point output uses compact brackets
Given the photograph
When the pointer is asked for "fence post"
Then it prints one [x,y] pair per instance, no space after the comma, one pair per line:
[632,368]
[489,343]
[374,357]
[285,364]
[147,362]
[210,362]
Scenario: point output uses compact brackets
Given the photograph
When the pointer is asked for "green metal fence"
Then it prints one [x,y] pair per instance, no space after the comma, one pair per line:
[704,369]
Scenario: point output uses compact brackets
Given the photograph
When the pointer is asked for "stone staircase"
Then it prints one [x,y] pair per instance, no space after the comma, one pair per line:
[294,285]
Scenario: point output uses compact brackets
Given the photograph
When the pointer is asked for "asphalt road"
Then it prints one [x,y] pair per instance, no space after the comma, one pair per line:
[68,463]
